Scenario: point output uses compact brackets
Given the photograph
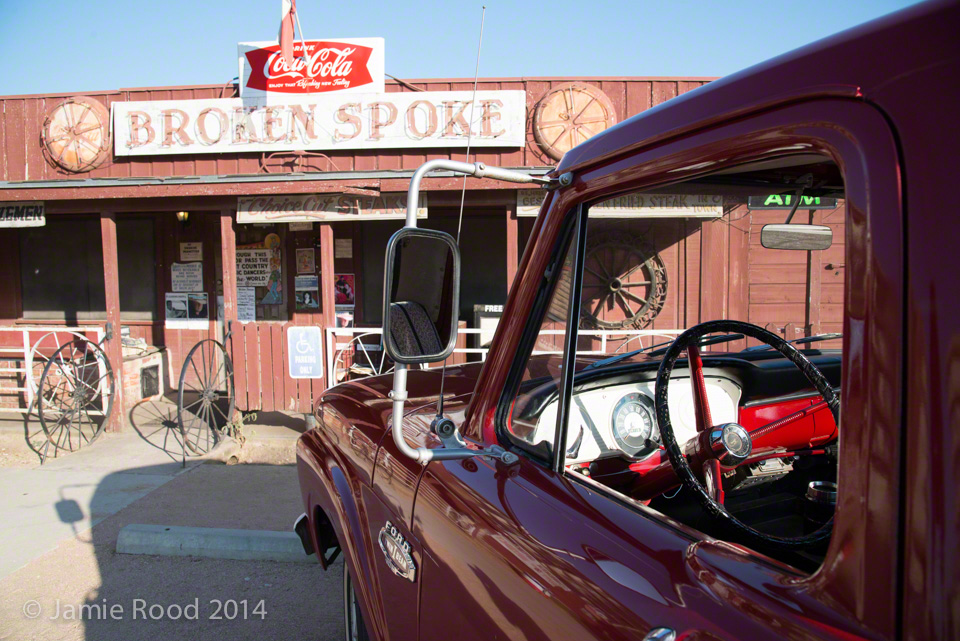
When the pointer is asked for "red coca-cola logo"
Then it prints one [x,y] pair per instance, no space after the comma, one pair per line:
[324,66]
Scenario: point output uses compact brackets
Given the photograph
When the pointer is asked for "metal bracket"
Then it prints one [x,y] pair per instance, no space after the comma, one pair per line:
[505,457]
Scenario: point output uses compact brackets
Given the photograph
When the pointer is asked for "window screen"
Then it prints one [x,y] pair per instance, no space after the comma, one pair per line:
[61,269]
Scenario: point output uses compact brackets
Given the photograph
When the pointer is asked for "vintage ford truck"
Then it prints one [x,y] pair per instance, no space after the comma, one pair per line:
[704,489]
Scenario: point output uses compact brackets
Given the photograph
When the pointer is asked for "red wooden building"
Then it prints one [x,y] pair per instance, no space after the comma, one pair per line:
[125,233]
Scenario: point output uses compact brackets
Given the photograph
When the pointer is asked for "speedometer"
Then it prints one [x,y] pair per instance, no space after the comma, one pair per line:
[634,424]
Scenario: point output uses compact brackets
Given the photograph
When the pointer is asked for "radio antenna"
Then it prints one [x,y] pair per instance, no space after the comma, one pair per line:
[473,105]
[463,191]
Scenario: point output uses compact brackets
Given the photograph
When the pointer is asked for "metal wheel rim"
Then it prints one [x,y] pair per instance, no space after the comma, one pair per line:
[620,295]
[205,407]
[384,367]
[67,395]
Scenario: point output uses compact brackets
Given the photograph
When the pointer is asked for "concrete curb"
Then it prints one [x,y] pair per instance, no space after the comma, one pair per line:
[216,543]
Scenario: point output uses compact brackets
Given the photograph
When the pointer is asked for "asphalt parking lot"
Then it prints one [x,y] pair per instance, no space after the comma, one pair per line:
[63,578]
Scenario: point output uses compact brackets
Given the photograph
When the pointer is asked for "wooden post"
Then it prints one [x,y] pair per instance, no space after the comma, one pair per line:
[326,276]
[513,242]
[228,262]
[111,289]
[714,252]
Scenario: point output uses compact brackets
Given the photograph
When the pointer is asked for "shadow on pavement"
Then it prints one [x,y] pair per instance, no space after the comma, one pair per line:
[83,589]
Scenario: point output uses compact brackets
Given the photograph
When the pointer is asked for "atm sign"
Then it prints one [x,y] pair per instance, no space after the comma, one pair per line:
[780,201]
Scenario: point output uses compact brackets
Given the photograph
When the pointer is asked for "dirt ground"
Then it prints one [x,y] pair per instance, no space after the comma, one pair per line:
[84,590]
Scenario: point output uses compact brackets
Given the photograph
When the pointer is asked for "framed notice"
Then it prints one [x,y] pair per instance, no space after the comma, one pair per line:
[343,248]
[306,261]
[191,251]
[186,277]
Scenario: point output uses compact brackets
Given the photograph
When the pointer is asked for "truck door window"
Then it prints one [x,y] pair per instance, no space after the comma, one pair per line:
[541,376]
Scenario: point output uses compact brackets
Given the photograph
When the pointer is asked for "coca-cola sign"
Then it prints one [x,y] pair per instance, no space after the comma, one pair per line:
[319,66]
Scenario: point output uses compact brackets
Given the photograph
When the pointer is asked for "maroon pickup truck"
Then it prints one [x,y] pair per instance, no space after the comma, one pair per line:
[705,488]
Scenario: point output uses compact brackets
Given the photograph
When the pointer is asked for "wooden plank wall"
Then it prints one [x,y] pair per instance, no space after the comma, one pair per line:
[21,122]
[783,287]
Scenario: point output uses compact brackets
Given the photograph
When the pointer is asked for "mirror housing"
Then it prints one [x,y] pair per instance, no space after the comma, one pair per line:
[421,296]
[803,237]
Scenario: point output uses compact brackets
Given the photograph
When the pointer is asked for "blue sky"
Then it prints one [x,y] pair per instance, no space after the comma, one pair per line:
[61,46]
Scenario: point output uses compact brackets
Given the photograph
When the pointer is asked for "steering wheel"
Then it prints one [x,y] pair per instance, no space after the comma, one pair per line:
[719,447]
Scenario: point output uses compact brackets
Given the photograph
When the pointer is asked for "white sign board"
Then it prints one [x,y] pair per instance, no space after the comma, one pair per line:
[246,304]
[191,251]
[304,359]
[407,120]
[343,65]
[325,207]
[22,214]
[186,277]
[635,205]
[253,267]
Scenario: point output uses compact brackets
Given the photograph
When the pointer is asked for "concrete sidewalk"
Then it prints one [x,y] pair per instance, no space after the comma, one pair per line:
[40,506]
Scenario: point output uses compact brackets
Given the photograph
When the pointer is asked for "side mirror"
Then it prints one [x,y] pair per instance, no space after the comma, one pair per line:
[421,296]
[806,237]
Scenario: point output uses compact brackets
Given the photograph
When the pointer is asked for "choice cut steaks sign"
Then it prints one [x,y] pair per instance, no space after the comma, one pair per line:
[319,66]
[328,121]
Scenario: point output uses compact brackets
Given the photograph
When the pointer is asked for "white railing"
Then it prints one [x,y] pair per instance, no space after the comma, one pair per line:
[358,339]
[26,354]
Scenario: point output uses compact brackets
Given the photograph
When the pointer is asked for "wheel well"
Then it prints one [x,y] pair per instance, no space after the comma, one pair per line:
[327,545]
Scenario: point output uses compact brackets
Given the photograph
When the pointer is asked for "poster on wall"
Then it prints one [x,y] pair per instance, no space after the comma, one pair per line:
[306,261]
[198,307]
[344,316]
[191,251]
[186,277]
[307,292]
[246,304]
[253,267]
[344,288]
[186,311]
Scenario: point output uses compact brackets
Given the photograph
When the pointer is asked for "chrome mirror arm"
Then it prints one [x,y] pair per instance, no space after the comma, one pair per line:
[424,455]
[476,169]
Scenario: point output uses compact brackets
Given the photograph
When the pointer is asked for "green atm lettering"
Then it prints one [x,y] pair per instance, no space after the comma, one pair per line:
[787,200]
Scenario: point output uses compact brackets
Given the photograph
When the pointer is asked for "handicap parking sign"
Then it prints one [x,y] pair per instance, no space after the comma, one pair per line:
[303,352]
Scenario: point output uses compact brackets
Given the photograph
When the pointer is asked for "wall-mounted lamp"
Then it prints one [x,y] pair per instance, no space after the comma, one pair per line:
[182,216]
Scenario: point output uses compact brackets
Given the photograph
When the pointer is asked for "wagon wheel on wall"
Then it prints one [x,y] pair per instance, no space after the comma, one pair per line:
[624,283]
[205,396]
[75,394]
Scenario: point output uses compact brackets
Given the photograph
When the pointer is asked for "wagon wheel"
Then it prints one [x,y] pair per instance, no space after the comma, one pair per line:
[624,278]
[75,394]
[569,114]
[376,364]
[205,397]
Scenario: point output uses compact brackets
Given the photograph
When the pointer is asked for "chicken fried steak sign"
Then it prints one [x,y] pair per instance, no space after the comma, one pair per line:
[322,122]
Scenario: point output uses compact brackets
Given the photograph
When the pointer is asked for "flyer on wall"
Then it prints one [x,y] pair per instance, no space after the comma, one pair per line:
[307,292]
